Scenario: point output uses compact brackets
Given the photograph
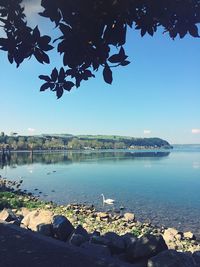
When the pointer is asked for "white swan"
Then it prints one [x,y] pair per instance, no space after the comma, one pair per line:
[108,200]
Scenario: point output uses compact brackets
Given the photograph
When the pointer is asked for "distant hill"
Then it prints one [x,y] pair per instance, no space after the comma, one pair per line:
[75,142]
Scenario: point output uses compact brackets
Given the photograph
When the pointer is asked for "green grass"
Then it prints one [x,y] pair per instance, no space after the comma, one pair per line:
[15,201]
[136,232]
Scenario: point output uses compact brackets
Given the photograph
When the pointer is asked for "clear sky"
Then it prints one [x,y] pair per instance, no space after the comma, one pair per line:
[157,95]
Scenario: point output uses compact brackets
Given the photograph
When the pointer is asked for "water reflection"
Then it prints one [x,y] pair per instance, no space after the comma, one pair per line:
[24,158]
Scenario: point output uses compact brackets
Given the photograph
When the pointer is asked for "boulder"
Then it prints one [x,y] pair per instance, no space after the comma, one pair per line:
[146,247]
[23,211]
[96,233]
[62,227]
[102,215]
[196,257]
[35,218]
[45,229]
[77,240]
[96,250]
[99,240]
[81,231]
[79,236]
[189,235]
[129,240]
[172,258]
[129,217]
[116,243]
[8,215]
[179,236]
[171,236]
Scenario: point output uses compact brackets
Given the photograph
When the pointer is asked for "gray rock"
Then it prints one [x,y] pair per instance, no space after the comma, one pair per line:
[129,240]
[169,235]
[129,217]
[189,235]
[96,250]
[116,243]
[102,215]
[81,231]
[99,240]
[196,257]
[77,239]
[15,222]
[8,215]
[96,233]
[62,228]
[45,229]
[172,258]
[146,247]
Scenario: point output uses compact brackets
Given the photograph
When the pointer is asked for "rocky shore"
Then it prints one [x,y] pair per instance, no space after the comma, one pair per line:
[104,234]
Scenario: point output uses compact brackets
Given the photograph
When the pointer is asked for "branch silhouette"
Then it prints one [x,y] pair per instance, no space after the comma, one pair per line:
[90,31]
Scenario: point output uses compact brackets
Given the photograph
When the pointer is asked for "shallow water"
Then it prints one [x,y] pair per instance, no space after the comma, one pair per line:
[161,186]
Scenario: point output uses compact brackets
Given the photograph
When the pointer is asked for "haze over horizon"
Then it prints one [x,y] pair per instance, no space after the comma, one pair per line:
[157,95]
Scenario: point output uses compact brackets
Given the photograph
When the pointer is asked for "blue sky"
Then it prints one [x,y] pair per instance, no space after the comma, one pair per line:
[157,95]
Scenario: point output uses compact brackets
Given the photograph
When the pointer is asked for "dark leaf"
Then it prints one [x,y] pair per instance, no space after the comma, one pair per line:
[3,42]
[45,57]
[45,86]
[88,73]
[62,48]
[45,77]
[182,31]
[51,86]
[59,91]
[150,31]
[65,29]
[10,58]
[45,39]
[45,47]
[41,56]
[70,72]
[125,63]
[143,31]
[107,74]
[59,38]
[115,58]
[68,85]
[48,47]
[122,52]
[54,74]
[61,75]
[193,30]
[95,65]
[43,43]
[57,18]
[173,34]
[78,81]
[36,33]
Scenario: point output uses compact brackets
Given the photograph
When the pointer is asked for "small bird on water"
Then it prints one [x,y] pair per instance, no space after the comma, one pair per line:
[108,200]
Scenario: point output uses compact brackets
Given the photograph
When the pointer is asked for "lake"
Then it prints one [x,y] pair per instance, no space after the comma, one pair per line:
[161,186]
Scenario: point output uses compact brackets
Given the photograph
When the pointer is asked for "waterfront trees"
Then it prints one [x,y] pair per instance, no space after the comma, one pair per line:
[56,142]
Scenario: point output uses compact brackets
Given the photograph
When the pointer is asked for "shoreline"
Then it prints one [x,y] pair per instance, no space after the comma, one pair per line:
[93,220]
[92,150]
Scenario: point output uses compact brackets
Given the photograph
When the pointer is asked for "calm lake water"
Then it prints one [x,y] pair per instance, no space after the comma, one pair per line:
[161,186]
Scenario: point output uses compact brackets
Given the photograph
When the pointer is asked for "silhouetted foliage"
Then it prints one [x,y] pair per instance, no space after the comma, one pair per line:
[90,31]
